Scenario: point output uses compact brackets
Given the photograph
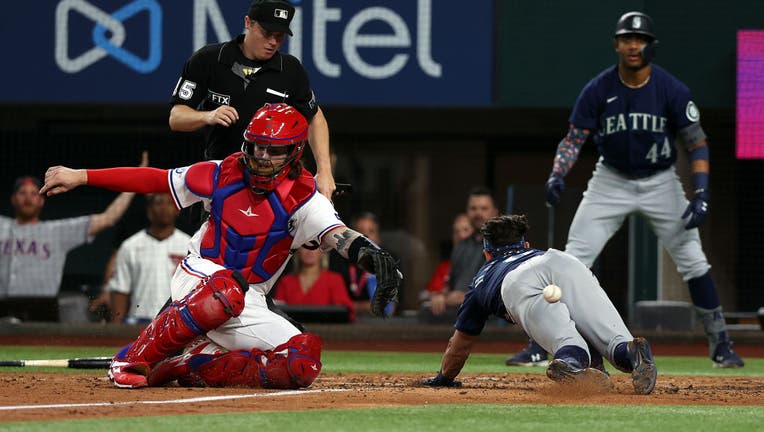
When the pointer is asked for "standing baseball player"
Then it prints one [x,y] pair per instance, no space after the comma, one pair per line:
[222,85]
[510,285]
[635,111]
[263,205]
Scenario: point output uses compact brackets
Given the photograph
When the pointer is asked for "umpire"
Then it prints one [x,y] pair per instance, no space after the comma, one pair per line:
[222,85]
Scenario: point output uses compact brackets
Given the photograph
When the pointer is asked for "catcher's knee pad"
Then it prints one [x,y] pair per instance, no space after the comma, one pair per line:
[214,301]
[293,364]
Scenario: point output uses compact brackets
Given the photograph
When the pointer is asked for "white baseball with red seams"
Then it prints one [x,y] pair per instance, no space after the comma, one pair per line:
[552,293]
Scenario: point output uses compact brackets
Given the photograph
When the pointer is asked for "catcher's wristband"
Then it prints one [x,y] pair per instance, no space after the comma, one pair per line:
[355,248]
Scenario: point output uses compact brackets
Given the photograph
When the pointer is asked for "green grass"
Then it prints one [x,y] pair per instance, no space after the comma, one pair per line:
[373,362]
[436,418]
[370,362]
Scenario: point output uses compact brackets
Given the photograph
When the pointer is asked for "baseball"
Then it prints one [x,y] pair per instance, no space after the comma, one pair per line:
[552,293]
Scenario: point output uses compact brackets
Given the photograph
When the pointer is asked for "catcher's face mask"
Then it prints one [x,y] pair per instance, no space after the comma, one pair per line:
[273,141]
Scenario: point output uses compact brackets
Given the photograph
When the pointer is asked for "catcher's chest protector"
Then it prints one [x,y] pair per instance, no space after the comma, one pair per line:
[249,232]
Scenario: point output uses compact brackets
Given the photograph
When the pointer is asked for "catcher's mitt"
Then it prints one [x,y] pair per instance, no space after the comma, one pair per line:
[389,278]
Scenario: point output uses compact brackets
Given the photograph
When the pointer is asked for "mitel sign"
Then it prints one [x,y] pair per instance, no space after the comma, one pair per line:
[358,52]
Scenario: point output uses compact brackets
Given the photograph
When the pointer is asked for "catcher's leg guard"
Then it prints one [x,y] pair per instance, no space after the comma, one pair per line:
[177,367]
[293,364]
[214,301]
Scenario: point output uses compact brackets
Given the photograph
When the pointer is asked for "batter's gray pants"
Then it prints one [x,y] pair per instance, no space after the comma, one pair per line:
[584,312]
[610,197]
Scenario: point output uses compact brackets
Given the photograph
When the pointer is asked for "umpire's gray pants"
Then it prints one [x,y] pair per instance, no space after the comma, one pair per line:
[584,312]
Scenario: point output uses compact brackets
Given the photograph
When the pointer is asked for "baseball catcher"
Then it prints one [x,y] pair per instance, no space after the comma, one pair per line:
[263,205]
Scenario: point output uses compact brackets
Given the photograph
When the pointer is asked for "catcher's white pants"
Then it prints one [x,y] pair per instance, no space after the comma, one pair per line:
[610,197]
[584,313]
[256,327]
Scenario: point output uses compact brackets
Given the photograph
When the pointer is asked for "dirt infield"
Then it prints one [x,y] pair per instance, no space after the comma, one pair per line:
[65,396]
[38,396]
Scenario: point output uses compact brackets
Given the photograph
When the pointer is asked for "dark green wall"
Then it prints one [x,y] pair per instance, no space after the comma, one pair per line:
[548,50]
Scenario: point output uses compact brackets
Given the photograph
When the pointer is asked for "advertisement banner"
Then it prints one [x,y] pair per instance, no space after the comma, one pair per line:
[357,52]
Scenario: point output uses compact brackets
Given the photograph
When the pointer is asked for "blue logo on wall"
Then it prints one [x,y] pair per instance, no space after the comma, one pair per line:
[103,45]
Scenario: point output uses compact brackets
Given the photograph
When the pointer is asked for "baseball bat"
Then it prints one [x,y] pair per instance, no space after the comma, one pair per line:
[75,363]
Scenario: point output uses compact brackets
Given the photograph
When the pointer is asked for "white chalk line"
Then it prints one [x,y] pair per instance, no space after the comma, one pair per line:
[171,401]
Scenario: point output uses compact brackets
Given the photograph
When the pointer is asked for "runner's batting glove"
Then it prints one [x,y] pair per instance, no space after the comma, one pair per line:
[441,381]
[697,210]
[389,278]
[555,186]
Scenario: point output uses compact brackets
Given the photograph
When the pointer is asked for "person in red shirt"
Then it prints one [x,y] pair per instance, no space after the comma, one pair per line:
[313,284]
[460,230]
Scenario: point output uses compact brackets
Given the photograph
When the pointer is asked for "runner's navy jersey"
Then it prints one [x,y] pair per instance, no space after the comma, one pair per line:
[634,129]
[483,298]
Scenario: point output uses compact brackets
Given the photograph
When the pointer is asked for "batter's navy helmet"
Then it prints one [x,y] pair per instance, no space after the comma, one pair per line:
[635,22]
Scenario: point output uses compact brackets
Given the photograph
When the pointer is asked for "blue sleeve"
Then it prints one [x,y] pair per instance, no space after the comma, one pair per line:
[682,110]
[471,317]
[586,111]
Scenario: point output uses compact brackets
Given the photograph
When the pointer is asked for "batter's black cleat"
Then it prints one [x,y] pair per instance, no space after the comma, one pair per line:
[644,373]
[569,371]
[532,355]
[724,357]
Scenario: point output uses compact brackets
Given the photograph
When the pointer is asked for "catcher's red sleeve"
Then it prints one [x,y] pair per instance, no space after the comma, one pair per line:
[130,179]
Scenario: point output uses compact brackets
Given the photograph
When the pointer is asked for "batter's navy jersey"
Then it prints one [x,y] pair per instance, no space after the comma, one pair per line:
[484,296]
[634,129]
[219,74]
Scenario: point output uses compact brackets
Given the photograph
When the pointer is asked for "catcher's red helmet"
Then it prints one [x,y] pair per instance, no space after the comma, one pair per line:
[273,144]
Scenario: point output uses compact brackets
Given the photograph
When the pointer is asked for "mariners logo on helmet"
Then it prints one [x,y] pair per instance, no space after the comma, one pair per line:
[635,22]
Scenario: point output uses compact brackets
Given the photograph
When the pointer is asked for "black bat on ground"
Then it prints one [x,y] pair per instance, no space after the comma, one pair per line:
[75,363]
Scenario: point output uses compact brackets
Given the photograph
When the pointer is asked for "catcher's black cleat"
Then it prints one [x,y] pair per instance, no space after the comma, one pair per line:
[644,373]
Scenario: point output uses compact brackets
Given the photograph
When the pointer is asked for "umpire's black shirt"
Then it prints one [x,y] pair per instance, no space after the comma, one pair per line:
[219,74]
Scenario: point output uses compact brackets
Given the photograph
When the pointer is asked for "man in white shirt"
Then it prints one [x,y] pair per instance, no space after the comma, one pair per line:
[145,264]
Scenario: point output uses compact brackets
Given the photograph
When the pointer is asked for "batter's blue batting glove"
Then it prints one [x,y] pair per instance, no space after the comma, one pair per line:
[555,186]
[697,210]
[441,381]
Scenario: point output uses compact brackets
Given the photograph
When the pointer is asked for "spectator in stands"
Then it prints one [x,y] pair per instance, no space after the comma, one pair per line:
[467,256]
[33,251]
[145,264]
[461,228]
[312,283]
[356,279]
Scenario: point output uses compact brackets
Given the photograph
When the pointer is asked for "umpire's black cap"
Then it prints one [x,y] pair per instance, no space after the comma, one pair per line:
[273,15]
[635,22]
